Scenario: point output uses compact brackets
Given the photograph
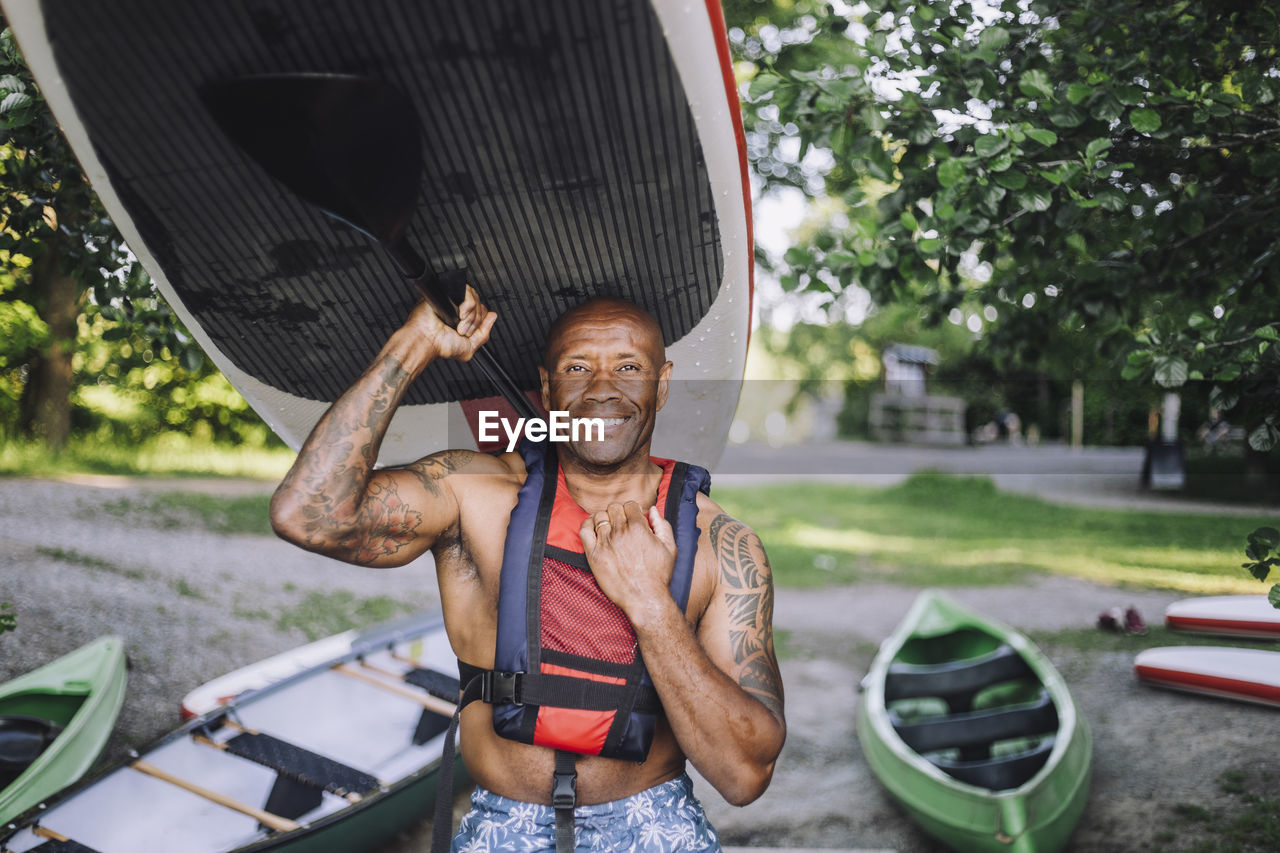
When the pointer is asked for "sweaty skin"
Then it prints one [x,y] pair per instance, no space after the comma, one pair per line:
[714,667]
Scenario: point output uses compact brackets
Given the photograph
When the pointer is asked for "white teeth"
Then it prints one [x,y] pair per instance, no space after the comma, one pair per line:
[607,421]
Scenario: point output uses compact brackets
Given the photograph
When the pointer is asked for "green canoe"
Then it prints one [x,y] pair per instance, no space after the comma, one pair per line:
[972,730]
[54,722]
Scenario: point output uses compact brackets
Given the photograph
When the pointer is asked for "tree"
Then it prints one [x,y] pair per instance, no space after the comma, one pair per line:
[64,257]
[1107,167]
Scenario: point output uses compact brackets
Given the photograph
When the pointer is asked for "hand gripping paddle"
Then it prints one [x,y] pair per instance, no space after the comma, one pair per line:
[315,134]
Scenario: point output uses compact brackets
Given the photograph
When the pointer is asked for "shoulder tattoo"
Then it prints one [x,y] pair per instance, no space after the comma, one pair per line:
[437,466]
[747,586]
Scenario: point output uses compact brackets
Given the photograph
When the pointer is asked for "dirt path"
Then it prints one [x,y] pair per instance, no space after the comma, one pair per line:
[78,560]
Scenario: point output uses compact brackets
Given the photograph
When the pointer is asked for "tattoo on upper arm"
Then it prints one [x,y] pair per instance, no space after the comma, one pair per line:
[748,592]
[387,524]
[437,466]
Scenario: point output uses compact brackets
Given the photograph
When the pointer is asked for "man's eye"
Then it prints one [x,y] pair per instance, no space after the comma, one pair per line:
[629,367]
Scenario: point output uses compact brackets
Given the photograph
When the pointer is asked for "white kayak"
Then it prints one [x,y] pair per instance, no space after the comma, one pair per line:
[1230,615]
[1247,675]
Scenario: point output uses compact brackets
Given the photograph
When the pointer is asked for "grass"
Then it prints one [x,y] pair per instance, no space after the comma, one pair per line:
[183,510]
[170,455]
[320,614]
[88,561]
[1252,823]
[936,529]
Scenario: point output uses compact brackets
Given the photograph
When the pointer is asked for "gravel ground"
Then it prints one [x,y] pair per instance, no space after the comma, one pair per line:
[192,604]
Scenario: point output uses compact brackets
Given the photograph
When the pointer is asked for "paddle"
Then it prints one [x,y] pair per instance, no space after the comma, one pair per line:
[350,146]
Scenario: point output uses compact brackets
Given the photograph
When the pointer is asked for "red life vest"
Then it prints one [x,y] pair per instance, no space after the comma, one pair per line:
[567,669]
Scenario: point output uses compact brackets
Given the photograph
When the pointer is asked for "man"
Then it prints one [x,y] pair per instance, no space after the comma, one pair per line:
[713,665]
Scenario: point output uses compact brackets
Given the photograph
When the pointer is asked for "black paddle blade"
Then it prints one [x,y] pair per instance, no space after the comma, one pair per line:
[347,144]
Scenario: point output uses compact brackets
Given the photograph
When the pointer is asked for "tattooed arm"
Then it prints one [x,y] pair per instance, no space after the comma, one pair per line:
[333,502]
[720,687]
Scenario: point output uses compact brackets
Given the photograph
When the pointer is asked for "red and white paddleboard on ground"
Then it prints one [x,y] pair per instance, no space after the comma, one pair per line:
[1248,675]
[1231,615]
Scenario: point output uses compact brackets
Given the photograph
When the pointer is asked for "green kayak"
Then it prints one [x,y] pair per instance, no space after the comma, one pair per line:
[971,729]
[55,720]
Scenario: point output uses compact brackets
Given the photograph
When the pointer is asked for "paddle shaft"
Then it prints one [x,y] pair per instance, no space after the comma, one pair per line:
[411,266]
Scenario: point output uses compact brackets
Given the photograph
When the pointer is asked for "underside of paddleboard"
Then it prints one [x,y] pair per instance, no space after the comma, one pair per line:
[570,149]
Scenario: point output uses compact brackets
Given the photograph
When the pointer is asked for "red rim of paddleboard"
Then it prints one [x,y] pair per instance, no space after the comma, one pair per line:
[1244,627]
[716,13]
[1233,687]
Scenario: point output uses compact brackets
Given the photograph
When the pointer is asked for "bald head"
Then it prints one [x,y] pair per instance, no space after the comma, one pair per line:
[604,313]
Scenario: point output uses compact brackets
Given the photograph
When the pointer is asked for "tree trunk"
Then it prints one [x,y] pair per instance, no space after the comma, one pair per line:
[46,399]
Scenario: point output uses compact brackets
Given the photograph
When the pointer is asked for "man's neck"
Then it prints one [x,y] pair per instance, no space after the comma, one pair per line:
[594,488]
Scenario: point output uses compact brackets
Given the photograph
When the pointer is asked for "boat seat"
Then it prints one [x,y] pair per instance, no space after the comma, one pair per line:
[956,682]
[302,765]
[999,774]
[438,684]
[22,739]
[978,728]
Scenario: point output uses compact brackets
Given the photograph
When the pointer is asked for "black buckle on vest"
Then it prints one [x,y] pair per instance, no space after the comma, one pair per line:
[564,789]
[501,688]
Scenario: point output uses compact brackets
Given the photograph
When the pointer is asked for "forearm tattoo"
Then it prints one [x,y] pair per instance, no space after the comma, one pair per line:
[748,591]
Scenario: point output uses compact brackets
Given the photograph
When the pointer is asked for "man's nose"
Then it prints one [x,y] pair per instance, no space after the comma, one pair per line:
[601,387]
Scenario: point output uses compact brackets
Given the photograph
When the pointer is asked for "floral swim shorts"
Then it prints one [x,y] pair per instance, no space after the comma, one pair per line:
[662,819]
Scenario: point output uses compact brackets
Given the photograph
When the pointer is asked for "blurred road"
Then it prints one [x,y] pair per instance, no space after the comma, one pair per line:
[1092,476]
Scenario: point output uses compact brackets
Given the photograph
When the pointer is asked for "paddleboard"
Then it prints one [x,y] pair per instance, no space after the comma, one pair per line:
[1249,675]
[571,149]
[1230,615]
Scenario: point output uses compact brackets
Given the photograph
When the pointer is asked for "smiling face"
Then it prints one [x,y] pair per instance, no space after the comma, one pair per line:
[605,359]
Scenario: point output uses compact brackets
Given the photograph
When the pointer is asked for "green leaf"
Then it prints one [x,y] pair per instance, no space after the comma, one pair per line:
[1267,333]
[872,118]
[1264,438]
[1200,321]
[1036,84]
[1077,92]
[992,38]
[1067,116]
[1036,201]
[1111,199]
[1274,596]
[1097,148]
[798,256]
[1130,96]
[1259,569]
[950,172]
[1170,371]
[929,245]
[1011,180]
[763,84]
[1140,357]
[988,145]
[1076,241]
[1144,120]
[1268,536]
[1043,136]
[908,220]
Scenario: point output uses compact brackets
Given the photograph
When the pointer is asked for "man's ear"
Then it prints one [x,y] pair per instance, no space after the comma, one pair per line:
[664,379]
[544,377]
